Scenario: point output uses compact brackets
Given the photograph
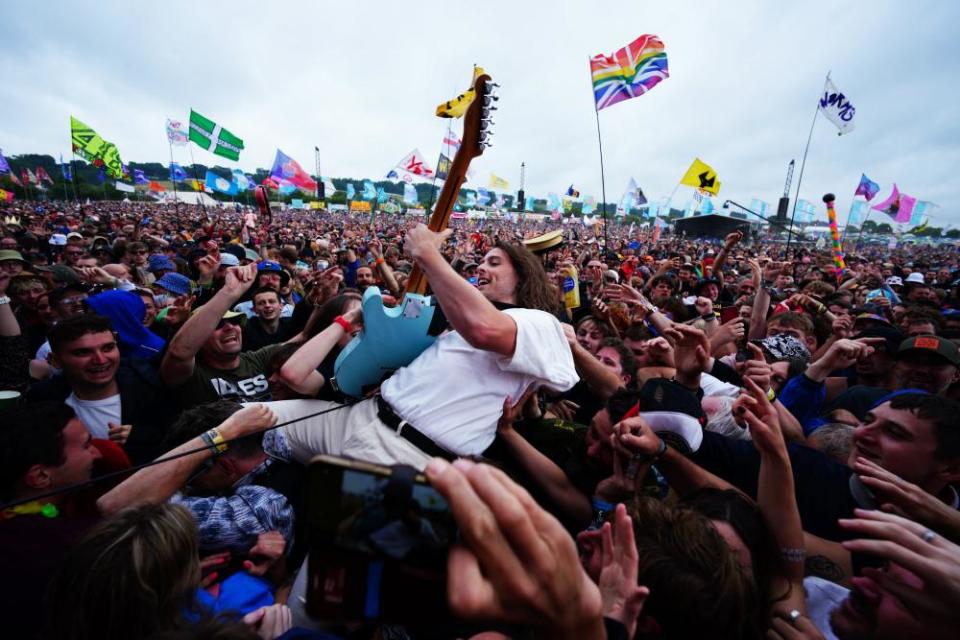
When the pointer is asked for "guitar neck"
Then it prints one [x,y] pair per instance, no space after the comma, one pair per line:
[475,139]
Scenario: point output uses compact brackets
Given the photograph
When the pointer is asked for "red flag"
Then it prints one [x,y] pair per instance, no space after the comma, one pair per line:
[156,186]
[43,176]
[270,183]
[28,176]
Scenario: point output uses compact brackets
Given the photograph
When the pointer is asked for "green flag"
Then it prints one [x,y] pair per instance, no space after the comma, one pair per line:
[214,138]
[88,144]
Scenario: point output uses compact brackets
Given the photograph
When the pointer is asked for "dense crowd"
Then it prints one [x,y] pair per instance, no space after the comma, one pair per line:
[638,435]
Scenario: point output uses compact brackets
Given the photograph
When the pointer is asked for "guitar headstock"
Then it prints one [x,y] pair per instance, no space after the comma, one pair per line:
[478,121]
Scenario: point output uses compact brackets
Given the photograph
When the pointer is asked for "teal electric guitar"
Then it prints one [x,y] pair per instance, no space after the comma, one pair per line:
[393,337]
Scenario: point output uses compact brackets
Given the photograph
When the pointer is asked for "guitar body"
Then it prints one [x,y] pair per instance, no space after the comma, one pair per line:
[392,337]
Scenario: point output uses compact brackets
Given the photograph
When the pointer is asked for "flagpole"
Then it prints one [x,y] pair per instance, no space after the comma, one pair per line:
[803,163]
[176,198]
[193,167]
[603,181]
[73,175]
[433,186]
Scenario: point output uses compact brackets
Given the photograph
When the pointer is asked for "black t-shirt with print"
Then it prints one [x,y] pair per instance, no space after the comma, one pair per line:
[248,382]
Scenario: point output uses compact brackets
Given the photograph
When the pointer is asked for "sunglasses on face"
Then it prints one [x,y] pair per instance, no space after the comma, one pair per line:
[234,321]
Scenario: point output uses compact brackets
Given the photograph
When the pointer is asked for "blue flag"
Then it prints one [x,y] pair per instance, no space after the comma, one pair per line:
[64,169]
[220,185]
[483,197]
[369,192]
[382,195]
[528,204]
[471,200]
[392,175]
[139,178]
[177,173]
[4,165]
[351,192]
[101,175]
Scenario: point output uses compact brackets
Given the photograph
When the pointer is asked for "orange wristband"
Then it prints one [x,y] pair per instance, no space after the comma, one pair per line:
[379,261]
[343,322]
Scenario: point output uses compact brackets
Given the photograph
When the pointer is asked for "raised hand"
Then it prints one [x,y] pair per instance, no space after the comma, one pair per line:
[621,596]
[119,433]
[421,239]
[94,275]
[179,311]
[252,418]
[238,279]
[692,353]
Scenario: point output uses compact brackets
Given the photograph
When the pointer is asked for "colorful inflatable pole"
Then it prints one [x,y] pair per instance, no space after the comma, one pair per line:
[835,236]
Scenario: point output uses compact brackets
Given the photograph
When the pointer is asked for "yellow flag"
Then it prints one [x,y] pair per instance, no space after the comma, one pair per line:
[456,107]
[498,183]
[700,175]
[196,185]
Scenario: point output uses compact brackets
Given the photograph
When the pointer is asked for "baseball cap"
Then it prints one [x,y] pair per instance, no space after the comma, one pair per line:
[915,278]
[229,314]
[269,266]
[863,318]
[941,346]
[10,254]
[894,281]
[229,260]
[892,336]
[673,413]
[74,234]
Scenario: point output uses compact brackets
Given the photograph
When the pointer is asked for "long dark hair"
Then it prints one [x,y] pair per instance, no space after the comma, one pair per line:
[534,290]
[324,315]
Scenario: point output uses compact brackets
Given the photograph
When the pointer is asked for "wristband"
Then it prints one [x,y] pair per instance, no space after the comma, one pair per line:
[344,323]
[709,316]
[771,396]
[214,441]
[379,261]
[793,554]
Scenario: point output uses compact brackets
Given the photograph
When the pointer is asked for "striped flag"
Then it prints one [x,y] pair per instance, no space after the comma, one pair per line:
[628,72]
[451,140]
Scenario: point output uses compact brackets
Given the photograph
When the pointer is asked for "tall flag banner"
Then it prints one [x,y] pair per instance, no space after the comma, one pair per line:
[452,141]
[415,163]
[409,194]
[759,206]
[919,212]
[628,72]
[123,186]
[329,187]
[501,201]
[483,197]
[898,206]
[858,209]
[456,107]
[177,173]
[156,187]
[499,184]
[553,202]
[196,185]
[867,188]
[573,193]
[139,177]
[443,167]
[286,168]
[837,108]
[707,206]
[807,211]
[176,134]
[101,175]
[28,177]
[4,165]
[14,179]
[243,183]
[285,187]
[700,175]
[470,201]
[43,176]
[207,134]
[835,236]
[270,183]
[369,191]
[88,144]
[214,182]
[589,204]
[65,170]
[657,227]
[351,191]
[382,195]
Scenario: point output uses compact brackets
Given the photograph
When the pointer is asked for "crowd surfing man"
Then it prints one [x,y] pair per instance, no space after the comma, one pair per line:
[691,438]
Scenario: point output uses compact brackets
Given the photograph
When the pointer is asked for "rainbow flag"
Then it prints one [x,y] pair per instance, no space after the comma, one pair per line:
[628,72]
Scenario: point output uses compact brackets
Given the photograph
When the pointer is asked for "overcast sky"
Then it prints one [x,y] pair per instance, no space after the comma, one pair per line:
[361,81]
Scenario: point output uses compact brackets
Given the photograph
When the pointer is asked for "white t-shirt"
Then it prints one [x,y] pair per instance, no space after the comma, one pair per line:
[454,393]
[95,414]
[822,598]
